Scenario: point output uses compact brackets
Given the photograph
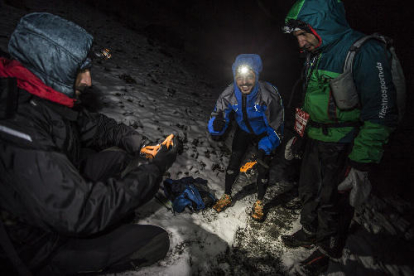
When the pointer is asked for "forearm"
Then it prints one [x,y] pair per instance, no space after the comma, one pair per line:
[101,132]
[270,142]
[368,146]
[59,199]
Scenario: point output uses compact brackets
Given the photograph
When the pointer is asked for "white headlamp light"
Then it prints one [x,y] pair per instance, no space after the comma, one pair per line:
[243,70]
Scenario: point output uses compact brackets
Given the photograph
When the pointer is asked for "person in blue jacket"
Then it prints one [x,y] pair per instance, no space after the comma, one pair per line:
[258,111]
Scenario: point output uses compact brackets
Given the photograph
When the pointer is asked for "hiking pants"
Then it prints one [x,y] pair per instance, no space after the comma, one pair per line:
[127,247]
[241,142]
[325,211]
[124,248]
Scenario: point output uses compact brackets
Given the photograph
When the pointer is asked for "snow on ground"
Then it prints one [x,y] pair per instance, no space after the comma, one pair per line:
[156,90]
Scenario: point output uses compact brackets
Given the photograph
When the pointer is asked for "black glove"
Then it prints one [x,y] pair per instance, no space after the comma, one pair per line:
[166,157]
[219,123]
[295,148]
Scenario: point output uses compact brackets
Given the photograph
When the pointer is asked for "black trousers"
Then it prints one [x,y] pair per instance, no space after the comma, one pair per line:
[241,142]
[124,247]
[127,247]
[325,211]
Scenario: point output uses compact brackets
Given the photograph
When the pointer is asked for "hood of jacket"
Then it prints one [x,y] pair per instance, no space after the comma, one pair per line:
[254,62]
[52,48]
[326,17]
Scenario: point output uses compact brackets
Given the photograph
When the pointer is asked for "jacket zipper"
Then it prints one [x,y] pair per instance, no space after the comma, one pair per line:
[244,111]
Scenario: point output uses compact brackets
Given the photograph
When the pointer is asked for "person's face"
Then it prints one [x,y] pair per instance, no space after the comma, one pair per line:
[246,81]
[306,41]
[83,80]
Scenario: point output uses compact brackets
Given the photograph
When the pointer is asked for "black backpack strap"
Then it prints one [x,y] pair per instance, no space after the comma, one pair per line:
[11,252]
[8,97]
[333,125]
[353,50]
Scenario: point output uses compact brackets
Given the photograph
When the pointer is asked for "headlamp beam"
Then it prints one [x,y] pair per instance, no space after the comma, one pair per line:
[243,70]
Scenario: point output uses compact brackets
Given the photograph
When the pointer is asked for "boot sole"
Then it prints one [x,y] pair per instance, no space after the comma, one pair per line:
[258,220]
[291,244]
[223,208]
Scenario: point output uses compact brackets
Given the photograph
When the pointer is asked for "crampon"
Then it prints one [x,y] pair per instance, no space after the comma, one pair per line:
[151,151]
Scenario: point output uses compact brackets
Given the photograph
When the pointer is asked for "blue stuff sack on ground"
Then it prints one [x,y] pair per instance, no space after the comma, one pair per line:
[188,192]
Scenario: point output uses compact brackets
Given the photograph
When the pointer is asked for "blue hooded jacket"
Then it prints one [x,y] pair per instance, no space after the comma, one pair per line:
[52,48]
[263,107]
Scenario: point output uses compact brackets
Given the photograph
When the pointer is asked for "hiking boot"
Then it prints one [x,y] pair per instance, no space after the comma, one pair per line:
[315,264]
[257,213]
[294,204]
[222,203]
[332,247]
[300,238]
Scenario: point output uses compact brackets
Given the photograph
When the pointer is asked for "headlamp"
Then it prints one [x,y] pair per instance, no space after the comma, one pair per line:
[295,25]
[100,55]
[243,70]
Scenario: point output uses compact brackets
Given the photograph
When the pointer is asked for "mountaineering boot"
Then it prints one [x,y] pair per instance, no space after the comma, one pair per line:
[332,247]
[257,213]
[315,264]
[300,238]
[222,203]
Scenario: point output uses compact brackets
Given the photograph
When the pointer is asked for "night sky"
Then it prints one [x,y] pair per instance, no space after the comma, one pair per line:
[214,32]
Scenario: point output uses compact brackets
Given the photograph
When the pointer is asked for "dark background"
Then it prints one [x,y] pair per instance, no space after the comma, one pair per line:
[211,33]
[214,32]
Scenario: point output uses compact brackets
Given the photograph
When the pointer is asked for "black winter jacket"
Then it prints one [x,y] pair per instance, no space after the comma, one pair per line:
[40,183]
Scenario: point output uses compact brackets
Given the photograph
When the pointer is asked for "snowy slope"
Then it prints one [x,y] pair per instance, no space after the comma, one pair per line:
[154,89]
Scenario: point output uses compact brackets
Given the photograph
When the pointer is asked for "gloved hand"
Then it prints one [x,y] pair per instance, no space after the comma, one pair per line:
[219,123]
[166,156]
[359,184]
[295,148]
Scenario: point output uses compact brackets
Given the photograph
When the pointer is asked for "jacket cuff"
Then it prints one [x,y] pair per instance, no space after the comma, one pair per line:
[364,167]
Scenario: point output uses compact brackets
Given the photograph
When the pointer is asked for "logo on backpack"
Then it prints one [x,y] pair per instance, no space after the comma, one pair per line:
[384,91]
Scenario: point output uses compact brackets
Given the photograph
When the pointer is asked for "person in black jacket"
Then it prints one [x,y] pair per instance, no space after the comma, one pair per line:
[67,187]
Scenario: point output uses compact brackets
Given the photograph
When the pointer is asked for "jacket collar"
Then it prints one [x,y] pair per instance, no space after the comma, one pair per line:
[26,80]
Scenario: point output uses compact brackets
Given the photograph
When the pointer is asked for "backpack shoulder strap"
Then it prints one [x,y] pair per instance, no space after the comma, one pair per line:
[356,46]
[396,68]
[8,97]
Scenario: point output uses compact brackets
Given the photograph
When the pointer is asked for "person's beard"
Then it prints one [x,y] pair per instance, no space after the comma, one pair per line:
[89,98]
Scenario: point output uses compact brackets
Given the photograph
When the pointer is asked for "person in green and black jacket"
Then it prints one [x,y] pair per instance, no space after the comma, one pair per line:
[339,146]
